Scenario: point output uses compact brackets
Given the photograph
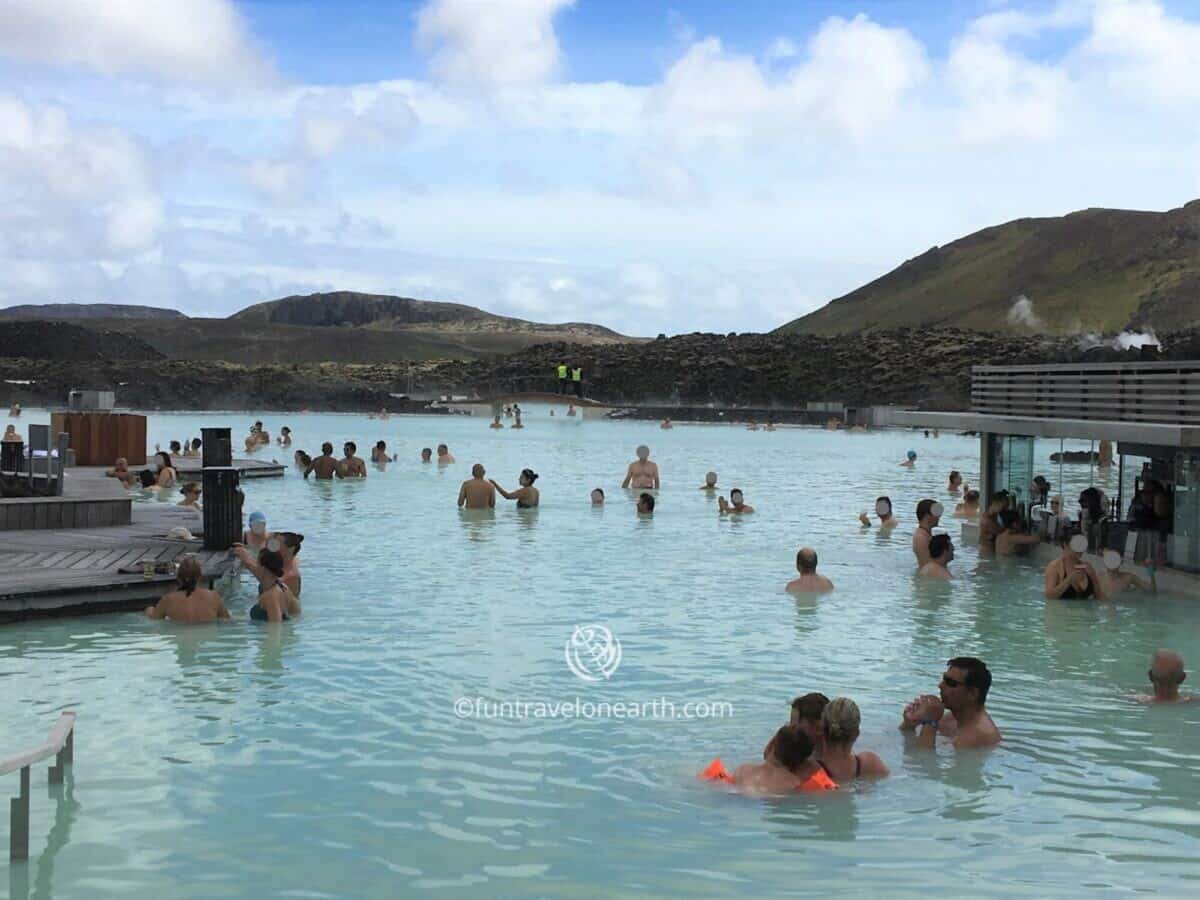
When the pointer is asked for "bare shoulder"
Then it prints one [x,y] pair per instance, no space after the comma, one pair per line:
[872,765]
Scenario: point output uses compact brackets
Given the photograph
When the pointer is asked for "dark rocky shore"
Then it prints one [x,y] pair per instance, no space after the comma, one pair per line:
[928,368]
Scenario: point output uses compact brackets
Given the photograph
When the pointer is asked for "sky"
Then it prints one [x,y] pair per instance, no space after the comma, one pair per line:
[655,168]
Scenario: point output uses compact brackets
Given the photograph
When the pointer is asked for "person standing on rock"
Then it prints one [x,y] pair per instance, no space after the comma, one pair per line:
[577,380]
[642,473]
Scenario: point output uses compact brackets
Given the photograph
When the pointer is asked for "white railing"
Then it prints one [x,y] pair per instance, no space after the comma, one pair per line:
[60,741]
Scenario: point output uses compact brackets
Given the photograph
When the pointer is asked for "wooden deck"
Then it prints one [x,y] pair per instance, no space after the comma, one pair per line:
[189,469]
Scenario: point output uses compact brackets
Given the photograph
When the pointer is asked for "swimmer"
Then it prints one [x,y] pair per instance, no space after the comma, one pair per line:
[911,461]
[883,509]
[969,508]
[789,767]
[324,465]
[929,512]
[956,482]
[15,410]
[426,455]
[1166,675]
[119,471]
[285,437]
[641,472]
[350,466]
[710,482]
[770,426]
[842,722]
[475,492]
[1117,582]
[189,603]
[444,457]
[301,459]
[287,545]
[496,423]
[1012,540]
[191,496]
[597,496]
[526,495]
[806,712]
[167,476]
[991,523]
[570,409]
[963,692]
[666,424]
[645,505]
[809,581]
[735,506]
[10,435]
[941,551]
[753,426]
[276,602]
[379,454]
[147,480]
[1070,578]
[256,536]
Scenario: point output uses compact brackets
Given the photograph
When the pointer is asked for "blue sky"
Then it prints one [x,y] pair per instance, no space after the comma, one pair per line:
[655,168]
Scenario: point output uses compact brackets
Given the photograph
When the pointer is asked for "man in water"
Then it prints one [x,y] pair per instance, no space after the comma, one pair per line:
[736,504]
[790,766]
[809,581]
[645,505]
[496,423]
[928,514]
[1166,675]
[710,482]
[324,465]
[350,466]
[941,551]
[444,457]
[426,455]
[570,409]
[477,492]
[883,509]
[641,472]
[911,460]
[963,689]
[597,496]
[379,454]
[806,713]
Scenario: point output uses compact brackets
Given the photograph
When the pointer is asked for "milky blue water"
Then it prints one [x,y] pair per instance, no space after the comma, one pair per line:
[324,757]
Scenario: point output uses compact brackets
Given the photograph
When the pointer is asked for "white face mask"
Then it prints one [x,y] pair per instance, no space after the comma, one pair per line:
[1112,560]
[1079,544]
[882,508]
[259,527]
[936,510]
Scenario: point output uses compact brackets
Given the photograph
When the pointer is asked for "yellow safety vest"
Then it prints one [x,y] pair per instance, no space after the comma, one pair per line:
[562,371]
[577,374]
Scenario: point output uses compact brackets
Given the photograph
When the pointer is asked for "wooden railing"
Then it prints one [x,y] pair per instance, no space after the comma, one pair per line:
[1153,392]
[60,741]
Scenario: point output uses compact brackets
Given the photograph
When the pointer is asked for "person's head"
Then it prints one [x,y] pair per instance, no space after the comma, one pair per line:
[443,450]
[327,448]
[290,542]
[285,430]
[258,426]
[645,504]
[1056,505]
[806,561]
[928,512]
[1041,485]
[146,477]
[121,465]
[272,561]
[597,496]
[190,491]
[188,574]
[426,454]
[971,498]
[940,548]
[1010,519]
[841,721]
[257,522]
[792,747]
[965,684]
[1166,672]
[806,714]
[998,502]
[197,443]
[478,471]
[710,479]
[912,454]
[1073,546]
[736,497]
[883,507]
[1092,500]
[164,460]
[176,447]
[528,477]
[643,453]
[955,478]
[380,445]
[349,448]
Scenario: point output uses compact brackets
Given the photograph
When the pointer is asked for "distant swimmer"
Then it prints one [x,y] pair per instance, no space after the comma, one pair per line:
[191,495]
[325,465]
[350,466]
[710,482]
[963,689]
[941,551]
[517,423]
[1166,675]
[167,476]
[301,459]
[666,423]
[956,482]
[911,460]
[969,508]
[809,581]
[570,409]
[736,505]
[119,471]
[15,410]
[770,426]
[526,495]
[597,496]
[789,767]
[753,426]
[189,602]
[641,472]
[1117,582]
[645,505]
[426,455]
[379,454]
[444,457]
[929,512]
[883,509]
[285,437]
[496,423]
[476,492]
[276,602]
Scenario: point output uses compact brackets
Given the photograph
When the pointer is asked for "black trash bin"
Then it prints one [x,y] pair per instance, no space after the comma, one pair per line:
[12,456]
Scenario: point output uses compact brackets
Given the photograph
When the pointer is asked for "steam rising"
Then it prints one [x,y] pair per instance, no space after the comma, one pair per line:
[1021,313]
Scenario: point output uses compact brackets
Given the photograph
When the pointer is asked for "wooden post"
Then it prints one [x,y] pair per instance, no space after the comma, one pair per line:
[18,842]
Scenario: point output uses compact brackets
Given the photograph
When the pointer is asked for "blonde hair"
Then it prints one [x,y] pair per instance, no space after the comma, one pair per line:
[841,721]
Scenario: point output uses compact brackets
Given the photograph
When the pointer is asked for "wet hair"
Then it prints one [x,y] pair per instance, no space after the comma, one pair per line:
[272,561]
[647,500]
[1010,518]
[971,496]
[600,489]
[737,491]
[954,473]
[327,448]
[841,721]
[924,508]
[380,445]
[806,560]
[165,457]
[146,477]
[810,706]
[792,747]
[303,457]
[442,448]
[998,497]
[887,500]
[350,446]
[939,544]
[189,574]
[478,470]
[175,447]
[425,451]
[978,675]
[710,476]
[530,474]
[190,488]
[292,540]
[197,443]
[642,452]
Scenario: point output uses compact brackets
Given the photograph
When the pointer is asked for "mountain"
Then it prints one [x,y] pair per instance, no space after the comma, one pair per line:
[1102,270]
[48,311]
[66,341]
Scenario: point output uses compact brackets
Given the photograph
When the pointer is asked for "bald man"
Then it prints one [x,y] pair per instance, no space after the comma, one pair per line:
[1166,675]
[477,492]
[809,581]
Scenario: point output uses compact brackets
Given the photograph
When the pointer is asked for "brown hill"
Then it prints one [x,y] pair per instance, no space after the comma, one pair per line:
[58,311]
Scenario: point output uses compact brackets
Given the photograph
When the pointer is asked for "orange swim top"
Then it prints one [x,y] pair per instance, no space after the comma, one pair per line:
[817,781]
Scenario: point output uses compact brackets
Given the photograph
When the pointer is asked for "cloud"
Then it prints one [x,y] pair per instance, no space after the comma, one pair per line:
[1143,49]
[491,42]
[195,41]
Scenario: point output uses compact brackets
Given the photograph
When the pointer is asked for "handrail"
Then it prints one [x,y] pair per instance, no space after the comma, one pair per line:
[53,744]
[60,741]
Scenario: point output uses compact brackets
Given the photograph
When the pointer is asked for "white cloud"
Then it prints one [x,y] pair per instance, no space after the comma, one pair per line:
[1002,94]
[201,41]
[1144,50]
[491,42]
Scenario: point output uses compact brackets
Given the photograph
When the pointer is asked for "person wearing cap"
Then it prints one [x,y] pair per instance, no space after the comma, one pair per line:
[928,514]
[941,551]
[1070,578]
[256,536]
[736,505]
[1166,675]
[191,495]
[911,460]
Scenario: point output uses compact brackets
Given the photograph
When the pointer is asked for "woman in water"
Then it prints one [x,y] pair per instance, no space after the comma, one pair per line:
[526,495]
[1069,577]
[911,460]
[287,545]
[302,459]
[955,486]
[276,602]
[840,722]
[167,476]
[191,495]
[189,603]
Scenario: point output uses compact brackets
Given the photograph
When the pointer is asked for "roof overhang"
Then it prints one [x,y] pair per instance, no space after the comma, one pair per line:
[1081,429]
